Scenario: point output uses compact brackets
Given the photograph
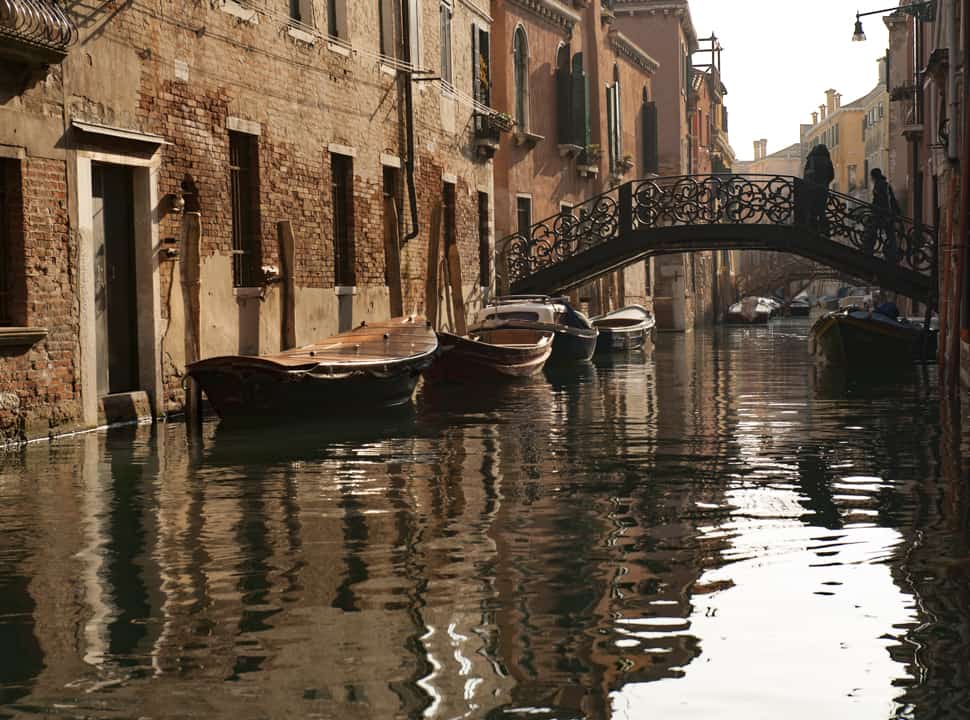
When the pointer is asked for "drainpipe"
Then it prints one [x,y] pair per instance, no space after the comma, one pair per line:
[409,120]
[951,374]
[953,53]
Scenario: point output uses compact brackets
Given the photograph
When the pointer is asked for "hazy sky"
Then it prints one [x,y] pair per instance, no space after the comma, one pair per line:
[780,56]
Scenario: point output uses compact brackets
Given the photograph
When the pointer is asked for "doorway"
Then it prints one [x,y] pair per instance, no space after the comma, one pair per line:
[115,299]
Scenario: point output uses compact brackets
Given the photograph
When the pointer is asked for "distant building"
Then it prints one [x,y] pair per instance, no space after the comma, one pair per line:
[787,161]
[839,128]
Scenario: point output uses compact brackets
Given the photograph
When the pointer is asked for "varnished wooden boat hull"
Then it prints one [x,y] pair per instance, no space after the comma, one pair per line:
[464,359]
[861,345]
[254,393]
[374,366]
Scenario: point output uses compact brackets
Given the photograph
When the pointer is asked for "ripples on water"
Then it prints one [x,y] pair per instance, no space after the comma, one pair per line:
[716,531]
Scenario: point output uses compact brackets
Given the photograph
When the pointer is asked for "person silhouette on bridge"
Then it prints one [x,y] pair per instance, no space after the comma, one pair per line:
[883,219]
[817,176]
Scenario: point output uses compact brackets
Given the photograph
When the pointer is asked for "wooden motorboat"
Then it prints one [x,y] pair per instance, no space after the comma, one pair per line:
[574,336]
[750,310]
[867,341]
[628,328]
[490,354]
[376,365]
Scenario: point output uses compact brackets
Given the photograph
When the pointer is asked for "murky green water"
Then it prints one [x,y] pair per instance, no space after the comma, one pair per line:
[711,532]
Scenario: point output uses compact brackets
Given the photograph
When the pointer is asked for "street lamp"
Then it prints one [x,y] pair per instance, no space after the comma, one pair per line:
[921,10]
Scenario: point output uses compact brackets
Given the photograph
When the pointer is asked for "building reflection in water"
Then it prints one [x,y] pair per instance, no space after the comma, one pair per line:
[595,544]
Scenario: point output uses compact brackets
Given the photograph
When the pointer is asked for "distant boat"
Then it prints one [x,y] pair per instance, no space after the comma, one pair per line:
[376,365]
[490,354]
[750,310]
[625,329]
[575,336]
[868,341]
[800,306]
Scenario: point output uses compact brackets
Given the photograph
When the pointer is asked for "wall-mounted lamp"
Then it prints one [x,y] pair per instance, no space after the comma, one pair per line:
[920,10]
[176,203]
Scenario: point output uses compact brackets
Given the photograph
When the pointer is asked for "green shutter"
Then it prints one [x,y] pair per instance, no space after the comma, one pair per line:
[580,103]
[611,124]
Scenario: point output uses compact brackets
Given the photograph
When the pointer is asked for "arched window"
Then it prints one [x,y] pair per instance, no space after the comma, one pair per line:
[520,55]
[564,134]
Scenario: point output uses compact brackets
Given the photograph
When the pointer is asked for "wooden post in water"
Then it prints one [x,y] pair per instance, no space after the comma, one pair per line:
[191,291]
[284,233]
[453,260]
[431,280]
[392,256]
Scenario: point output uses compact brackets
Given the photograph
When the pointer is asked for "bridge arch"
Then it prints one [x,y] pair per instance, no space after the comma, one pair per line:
[657,216]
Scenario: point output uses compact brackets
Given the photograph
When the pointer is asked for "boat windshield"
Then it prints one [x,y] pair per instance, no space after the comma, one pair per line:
[516,315]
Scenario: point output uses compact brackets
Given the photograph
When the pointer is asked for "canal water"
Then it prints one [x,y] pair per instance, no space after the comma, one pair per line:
[713,530]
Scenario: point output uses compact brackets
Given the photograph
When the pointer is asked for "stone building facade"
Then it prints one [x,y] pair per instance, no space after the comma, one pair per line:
[685,285]
[149,152]
[579,92]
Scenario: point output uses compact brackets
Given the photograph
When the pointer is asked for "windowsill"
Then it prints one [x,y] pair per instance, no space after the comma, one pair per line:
[388,70]
[231,7]
[529,139]
[21,336]
[447,90]
[588,171]
[338,49]
[569,150]
[301,35]
[247,292]
[345,289]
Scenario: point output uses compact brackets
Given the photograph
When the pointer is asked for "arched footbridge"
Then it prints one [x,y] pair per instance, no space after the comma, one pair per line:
[658,216]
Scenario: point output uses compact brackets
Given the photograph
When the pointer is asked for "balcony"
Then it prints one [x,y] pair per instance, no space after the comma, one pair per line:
[35,32]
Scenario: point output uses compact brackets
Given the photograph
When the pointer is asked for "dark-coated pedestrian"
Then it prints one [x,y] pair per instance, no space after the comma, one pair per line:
[818,174]
[885,210]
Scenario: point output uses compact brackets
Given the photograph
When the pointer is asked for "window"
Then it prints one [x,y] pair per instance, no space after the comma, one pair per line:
[852,178]
[444,17]
[481,66]
[414,32]
[337,19]
[342,202]
[579,97]
[484,243]
[563,92]
[520,56]
[648,115]
[448,216]
[390,26]
[523,215]
[12,312]
[613,120]
[244,194]
[301,11]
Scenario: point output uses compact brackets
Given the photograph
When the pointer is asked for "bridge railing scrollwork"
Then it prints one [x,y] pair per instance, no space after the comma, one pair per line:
[722,200]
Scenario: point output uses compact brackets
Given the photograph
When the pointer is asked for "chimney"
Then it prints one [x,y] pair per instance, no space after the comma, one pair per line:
[830,100]
[821,112]
[882,70]
[838,100]
[764,148]
[757,149]
[814,118]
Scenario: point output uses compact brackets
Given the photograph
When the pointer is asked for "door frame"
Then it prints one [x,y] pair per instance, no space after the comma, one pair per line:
[145,171]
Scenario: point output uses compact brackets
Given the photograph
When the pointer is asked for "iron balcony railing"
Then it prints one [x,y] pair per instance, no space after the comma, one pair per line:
[35,30]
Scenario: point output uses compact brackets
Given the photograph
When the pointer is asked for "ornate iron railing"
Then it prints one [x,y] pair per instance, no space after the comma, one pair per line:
[722,200]
[37,23]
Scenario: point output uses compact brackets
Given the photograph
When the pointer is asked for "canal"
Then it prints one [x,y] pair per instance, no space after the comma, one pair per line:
[715,530]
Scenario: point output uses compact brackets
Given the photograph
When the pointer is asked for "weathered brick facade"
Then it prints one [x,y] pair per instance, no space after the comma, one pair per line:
[161,88]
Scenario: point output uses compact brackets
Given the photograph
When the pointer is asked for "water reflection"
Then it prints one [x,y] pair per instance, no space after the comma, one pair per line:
[713,530]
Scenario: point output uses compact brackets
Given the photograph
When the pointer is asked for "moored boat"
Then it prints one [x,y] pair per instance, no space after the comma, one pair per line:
[750,310]
[490,354]
[867,341]
[628,328]
[376,365]
[574,335]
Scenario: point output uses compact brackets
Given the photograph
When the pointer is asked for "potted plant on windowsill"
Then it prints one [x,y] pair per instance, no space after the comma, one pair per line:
[587,164]
[501,121]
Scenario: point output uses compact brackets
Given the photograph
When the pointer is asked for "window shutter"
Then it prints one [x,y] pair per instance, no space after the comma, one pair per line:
[484,70]
[611,124]
[564,115]
[580,103]
[650,140]
[388,41]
